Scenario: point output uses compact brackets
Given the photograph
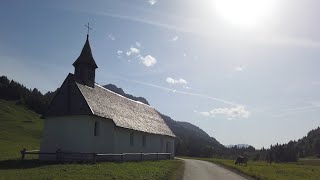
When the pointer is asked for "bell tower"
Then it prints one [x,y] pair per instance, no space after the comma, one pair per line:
[85,66]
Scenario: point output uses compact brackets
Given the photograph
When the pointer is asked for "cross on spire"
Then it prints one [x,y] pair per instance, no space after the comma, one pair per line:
[88,26]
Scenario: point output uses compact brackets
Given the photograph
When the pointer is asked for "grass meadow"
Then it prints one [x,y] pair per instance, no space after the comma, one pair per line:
[33,169]
[301,170]
[21,128]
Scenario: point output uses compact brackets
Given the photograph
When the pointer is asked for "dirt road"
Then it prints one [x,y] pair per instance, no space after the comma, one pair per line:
[202,170]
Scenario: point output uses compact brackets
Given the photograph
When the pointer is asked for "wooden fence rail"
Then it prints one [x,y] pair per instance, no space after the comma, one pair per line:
[93,157]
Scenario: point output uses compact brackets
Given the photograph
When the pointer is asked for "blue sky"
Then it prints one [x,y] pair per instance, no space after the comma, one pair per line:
[241,73]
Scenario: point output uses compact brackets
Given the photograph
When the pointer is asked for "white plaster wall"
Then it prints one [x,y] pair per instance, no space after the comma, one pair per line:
[76,134]
[170,141]
[154,143]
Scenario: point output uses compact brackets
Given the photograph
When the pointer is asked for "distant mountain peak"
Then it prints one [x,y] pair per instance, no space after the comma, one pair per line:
[120,91]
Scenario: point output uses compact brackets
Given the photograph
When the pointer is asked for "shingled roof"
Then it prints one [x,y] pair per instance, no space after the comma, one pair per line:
[124,112]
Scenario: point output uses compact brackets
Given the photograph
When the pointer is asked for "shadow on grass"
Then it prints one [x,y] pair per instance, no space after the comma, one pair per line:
[25,164]
[32,163]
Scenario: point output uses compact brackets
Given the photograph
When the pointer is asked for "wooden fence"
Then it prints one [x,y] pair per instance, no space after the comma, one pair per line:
[61,156]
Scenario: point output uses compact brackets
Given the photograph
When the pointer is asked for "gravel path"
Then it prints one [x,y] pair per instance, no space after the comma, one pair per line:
[202,170]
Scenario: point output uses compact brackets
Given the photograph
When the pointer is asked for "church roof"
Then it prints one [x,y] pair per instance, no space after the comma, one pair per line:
[124,112]
[86,56]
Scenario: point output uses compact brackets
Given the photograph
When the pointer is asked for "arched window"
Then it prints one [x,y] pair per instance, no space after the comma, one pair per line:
[131,139]
[96,128]
[144,140]
[161,143]
[167,147]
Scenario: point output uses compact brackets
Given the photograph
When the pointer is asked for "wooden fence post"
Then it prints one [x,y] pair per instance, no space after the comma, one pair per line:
[23,153]
[94,158]
[58,151]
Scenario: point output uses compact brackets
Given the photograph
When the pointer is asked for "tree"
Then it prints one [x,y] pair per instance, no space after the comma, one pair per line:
[33,99]
[316,147]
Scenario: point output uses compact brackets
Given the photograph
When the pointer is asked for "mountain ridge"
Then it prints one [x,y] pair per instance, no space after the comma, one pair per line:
[120,91]
[238,145]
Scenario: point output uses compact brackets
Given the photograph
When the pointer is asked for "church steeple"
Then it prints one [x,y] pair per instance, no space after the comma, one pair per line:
[85,65]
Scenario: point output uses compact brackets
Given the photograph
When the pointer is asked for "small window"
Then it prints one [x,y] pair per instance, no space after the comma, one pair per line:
[131,139]
[96,128]
[167,147]
[161,142]
[144,140]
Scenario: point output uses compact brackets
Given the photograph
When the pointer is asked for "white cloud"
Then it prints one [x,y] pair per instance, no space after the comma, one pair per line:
[132,50]
[119,52]
[149,60]
[207,114]
[136,55]
[240,68]
[238,111]
[170,80]
[138,44]
[176,81]
[175,38]
[234,112]
[152,2]
[204,113]
[111,37]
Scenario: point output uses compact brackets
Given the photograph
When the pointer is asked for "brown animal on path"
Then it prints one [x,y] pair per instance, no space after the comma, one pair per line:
[241,160]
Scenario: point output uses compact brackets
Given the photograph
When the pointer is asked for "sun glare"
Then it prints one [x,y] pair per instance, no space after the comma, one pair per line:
[246,13]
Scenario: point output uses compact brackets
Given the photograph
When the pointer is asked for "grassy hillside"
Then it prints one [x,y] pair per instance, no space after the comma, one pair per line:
[20,127]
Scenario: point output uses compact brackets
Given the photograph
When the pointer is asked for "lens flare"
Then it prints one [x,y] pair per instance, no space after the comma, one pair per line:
[244,12]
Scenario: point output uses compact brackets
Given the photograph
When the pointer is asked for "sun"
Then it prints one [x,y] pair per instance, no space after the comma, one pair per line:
[245,13]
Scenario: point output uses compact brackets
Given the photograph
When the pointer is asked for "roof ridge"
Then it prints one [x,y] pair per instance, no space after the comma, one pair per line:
[124,96]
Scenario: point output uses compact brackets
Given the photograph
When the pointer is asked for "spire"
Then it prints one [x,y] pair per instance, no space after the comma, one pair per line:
[86,57]
[85,66]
